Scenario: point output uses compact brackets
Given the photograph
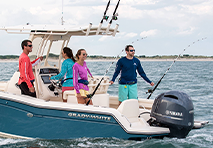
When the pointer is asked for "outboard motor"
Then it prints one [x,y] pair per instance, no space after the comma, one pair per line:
[173,109]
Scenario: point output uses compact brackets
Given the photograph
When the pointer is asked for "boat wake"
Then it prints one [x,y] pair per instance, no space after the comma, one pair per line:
[192,141]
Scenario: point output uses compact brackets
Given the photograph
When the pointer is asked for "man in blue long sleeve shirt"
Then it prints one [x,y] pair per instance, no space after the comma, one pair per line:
[127,66]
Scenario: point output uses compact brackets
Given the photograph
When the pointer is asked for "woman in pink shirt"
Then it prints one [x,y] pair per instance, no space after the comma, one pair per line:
[80,79]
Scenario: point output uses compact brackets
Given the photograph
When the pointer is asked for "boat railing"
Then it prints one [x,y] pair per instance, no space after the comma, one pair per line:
[102,89]
[127,120]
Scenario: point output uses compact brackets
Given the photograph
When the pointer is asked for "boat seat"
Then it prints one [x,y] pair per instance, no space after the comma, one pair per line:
[3,85]
[101,100]
[69,95]
[98,99]
[130,109]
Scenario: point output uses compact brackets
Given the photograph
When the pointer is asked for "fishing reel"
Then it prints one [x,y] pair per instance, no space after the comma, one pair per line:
[115,16]
[149,91]
[105,17]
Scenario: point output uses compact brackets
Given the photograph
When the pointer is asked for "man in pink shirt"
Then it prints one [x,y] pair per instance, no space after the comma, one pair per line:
[27,78]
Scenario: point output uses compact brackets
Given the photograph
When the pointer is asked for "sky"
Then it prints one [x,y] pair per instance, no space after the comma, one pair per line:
[167,26]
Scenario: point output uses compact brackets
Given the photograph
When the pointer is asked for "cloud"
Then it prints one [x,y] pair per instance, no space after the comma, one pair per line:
[131,35]
[40,11]
[167,21]
[139,2]
[149,33]
[103,38]
[188,31]
[205,8]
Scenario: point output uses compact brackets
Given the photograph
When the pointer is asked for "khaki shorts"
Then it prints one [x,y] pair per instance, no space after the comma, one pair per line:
[83,93]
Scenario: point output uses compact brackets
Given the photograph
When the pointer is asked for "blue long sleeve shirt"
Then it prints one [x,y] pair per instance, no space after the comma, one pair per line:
[128,68]
[66,72]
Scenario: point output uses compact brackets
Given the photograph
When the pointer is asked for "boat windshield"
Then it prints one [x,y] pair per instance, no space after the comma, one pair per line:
[49,50]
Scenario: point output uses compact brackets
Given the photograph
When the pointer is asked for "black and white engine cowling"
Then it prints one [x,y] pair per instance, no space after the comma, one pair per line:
[174,110]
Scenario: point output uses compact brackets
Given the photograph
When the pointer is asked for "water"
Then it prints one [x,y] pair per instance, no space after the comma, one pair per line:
[192,77]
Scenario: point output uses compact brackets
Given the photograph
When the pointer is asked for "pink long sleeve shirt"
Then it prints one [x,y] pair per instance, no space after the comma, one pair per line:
[80,72]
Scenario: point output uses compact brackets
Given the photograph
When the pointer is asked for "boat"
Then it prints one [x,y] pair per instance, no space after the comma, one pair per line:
[48,117]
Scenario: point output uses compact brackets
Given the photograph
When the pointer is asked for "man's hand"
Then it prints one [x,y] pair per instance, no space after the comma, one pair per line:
[111,82]
[152,84]
[32,89]
[41,58]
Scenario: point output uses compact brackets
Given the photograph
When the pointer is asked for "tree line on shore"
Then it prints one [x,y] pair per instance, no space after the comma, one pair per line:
[54,56]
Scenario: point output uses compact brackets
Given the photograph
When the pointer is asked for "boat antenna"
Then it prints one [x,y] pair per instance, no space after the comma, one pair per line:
[151,91]
[91,95]
[62,18]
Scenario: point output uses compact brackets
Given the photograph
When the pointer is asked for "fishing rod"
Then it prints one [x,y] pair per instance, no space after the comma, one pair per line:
[91,95]
[114,16]
[105,17]
[151,91]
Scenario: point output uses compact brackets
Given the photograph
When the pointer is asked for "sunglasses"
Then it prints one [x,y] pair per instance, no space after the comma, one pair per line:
[84,54]
[30,45]
[132,50]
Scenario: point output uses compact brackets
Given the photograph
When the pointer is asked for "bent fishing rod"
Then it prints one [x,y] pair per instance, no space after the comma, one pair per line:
[91,95]
[151,91]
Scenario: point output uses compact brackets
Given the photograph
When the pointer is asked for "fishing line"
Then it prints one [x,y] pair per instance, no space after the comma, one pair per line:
[91,95]
[151,91]
[139,39]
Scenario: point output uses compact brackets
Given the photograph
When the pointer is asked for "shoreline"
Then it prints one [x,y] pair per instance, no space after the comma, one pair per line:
[110,60]
[144,60]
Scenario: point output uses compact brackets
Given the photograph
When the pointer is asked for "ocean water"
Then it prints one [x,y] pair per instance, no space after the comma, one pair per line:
[192,77]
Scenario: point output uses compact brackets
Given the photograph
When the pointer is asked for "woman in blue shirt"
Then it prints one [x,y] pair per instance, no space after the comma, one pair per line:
[66,71]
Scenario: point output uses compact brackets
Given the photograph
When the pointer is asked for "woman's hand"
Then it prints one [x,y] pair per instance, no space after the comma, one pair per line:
[79,95]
